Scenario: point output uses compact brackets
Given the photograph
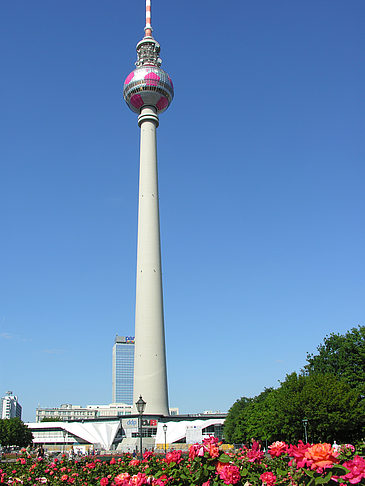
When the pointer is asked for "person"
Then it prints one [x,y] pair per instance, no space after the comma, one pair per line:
[40,451]
[335,446]
[71,453]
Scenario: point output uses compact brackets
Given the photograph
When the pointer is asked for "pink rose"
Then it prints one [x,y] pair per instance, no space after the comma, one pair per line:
[268,478]
[277,448]
[229,474]
[356,469]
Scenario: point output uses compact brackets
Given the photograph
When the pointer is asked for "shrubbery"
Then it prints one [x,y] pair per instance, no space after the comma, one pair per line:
[206,465]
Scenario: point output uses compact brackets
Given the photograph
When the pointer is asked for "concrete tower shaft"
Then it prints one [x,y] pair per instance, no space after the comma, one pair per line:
[150,377]
[148,91]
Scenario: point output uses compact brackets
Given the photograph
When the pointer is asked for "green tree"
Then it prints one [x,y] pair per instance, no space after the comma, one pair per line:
[261,417]
[233,424]
[334,410]
[51,419]
[13,432]
[342,356]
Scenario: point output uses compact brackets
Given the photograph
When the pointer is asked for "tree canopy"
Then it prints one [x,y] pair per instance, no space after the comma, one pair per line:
[13,432]
[343,356]
[329,394]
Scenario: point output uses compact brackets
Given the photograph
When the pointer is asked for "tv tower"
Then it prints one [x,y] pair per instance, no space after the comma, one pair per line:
[148,91]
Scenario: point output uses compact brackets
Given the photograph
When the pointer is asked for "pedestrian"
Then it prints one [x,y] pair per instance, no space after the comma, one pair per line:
[40,451]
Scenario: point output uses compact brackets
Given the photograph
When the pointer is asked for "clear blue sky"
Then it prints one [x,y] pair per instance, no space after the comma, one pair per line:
[261,166]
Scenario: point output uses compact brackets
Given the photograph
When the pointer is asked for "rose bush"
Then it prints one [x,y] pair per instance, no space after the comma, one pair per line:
[205,465]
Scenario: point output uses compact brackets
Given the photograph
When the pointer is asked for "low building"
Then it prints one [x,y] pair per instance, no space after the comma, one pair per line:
[10,407]
[68,412]
[123,433]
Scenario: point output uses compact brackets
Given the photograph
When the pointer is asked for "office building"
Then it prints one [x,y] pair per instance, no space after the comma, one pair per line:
[10,406]
[123,367]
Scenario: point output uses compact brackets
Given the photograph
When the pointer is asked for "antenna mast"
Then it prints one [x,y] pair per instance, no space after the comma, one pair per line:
[148,28]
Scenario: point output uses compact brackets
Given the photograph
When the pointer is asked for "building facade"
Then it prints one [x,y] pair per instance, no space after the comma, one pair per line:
[123,369]
[122,433]
[69,413]
[10,406]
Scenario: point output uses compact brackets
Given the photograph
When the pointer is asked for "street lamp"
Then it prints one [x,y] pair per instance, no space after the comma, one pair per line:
[164,431]
[305,423]
[64,440]
[141,405]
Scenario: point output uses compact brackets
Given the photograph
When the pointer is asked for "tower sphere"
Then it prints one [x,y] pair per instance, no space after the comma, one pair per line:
[148,86]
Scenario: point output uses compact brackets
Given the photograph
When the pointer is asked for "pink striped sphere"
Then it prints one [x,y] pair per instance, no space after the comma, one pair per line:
[148,86]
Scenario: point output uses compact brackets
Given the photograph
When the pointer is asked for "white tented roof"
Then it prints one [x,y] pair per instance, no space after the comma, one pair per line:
[97,433]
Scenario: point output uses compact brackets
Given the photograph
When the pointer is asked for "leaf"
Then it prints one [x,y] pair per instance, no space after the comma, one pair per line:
[244,472]
[309,473]
[326,479]
[338,470]
[224,458]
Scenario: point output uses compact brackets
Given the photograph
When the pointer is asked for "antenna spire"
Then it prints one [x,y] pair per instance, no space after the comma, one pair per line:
[148,28]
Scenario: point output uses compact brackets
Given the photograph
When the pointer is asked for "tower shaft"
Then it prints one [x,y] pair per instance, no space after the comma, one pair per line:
[150,377]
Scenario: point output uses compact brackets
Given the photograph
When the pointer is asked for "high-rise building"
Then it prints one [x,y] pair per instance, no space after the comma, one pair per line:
[148,91]
[123,366]
[10,407]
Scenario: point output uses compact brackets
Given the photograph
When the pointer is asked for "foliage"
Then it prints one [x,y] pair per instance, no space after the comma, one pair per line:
[342,356]
[333,409]
[51,419]
[234,420]
[329,393]
[206,465]
[13,432]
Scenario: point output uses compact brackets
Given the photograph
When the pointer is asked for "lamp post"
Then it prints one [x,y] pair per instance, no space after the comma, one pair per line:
[305,423]
[141,405]
[64,440]
[164,431]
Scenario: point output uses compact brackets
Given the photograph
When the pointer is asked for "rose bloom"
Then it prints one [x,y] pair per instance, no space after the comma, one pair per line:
[268,478]
[64,477]
[211,444]
[173,456]
[213,450]
[230,474]
[346,447]
[321,456]
[219,467]
[121,479]
[147,455]
[277,448]
[356,469]
[298,453]
[254,454]
[196,450]
[104,481]
[134,462]
[113,461]
[138,479]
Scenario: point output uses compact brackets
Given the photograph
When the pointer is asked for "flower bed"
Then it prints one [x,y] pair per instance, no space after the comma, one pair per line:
[206,465]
